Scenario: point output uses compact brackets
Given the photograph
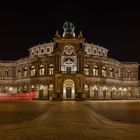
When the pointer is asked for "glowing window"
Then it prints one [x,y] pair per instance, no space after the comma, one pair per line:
[41,70]
[95,70]
[51,87]
[86,70]
[33,71]
[51,69]
[104,71]
[86,87]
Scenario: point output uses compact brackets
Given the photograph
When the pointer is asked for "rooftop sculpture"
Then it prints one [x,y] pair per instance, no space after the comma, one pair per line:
[68,28]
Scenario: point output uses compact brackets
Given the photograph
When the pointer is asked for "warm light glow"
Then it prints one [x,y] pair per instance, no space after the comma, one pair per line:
[113,89]
[41,70]
[33,71]
[10,88]
[51,87]
[124,89]
[120,89]
[104,73]
[104,88]
[95,87]
[86,87]
[42,87]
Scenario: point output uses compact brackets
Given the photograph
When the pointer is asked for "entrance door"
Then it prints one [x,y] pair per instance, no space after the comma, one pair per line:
[68,89]
[68,70]
[68,92]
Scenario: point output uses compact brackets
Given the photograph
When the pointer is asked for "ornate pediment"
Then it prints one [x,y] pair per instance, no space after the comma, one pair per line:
[68,62]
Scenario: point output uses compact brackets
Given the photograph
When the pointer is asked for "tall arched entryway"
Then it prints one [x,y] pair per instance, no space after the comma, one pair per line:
[68,89]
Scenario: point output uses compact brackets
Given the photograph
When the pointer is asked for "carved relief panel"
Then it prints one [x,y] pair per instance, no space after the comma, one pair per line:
[68,59]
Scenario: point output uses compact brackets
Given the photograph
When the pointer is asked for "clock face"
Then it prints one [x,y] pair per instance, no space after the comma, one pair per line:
[68,49]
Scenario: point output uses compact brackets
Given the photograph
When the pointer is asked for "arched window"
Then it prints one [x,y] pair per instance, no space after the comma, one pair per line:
[51,87]
[25,71]
[104,71]
[86,87]
[42,87]
[120,89]
[113,92]
[32,70]
[95,70]
[10,89]
[95,91]
[41,70]
[86,69]
[51,69]
[125,89]
[111,72]
[32,87]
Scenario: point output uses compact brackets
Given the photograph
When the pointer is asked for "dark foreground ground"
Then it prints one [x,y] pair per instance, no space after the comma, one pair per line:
[70,120]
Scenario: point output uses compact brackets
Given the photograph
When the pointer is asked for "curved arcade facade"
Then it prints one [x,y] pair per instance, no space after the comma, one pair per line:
[70,68]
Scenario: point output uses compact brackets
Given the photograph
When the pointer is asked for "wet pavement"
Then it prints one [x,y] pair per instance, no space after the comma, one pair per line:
[43,120]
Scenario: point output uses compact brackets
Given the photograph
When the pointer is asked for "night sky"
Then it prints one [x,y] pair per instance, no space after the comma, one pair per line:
[114,25]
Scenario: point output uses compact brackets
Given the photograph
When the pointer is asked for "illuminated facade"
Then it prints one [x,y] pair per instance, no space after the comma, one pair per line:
[70,68]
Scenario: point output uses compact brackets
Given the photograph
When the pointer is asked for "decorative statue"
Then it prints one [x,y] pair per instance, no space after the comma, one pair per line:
[68,28]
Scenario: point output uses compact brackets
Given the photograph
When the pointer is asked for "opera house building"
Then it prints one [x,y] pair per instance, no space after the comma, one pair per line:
[70,68]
